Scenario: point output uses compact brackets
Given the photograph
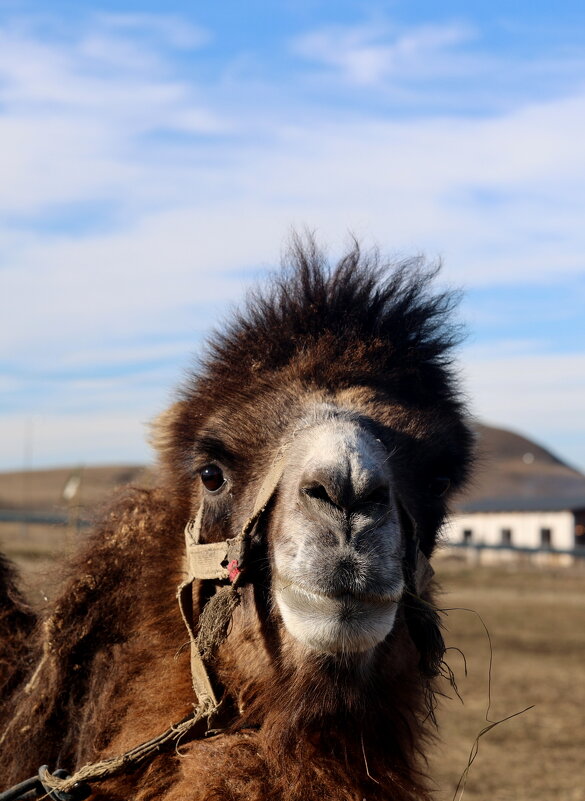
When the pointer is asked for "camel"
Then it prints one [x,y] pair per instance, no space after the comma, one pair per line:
[308,460]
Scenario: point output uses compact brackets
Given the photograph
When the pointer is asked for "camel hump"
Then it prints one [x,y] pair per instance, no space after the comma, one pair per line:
[17,621]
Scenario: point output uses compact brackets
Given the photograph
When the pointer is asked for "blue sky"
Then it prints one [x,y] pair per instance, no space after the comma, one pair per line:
[153,159]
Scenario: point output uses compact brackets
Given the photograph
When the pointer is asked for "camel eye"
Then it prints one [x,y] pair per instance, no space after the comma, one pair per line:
[439,485]
[212,477]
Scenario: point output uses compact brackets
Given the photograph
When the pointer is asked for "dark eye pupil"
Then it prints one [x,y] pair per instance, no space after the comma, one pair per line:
[212,477]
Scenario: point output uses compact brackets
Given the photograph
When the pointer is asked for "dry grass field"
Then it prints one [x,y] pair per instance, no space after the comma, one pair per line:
[39,548]
[536,619]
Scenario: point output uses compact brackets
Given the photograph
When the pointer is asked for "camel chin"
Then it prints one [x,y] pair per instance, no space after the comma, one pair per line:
[343,624]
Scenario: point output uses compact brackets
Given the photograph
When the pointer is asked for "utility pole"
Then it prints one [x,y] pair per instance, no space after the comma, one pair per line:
[72,495]
[27,461]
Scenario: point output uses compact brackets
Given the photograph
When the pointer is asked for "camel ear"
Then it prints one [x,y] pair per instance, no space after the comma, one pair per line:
[161,434]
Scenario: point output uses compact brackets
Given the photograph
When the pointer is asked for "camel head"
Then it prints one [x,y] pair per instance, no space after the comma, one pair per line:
[341,378]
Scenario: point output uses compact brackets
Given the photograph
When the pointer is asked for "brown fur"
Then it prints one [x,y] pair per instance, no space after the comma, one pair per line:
[17,621]
[305,727]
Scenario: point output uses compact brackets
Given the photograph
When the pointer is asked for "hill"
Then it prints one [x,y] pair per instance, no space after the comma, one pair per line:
[514,469]
[42,490]
[510,466]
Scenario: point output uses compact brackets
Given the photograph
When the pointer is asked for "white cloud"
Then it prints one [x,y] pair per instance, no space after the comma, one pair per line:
[199,182]
[530,391]
[370,54]
[174,30]
[170,271]
[97,357]
[414,183]
[69,440]
[407,186]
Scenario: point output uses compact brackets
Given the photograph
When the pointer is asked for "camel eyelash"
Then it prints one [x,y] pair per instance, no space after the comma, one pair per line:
[211,450]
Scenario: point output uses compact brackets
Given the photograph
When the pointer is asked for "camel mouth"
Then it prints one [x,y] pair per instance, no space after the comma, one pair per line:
[333,623]
[290,587]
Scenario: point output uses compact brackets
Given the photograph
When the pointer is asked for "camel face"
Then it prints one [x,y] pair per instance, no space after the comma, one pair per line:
[338,547]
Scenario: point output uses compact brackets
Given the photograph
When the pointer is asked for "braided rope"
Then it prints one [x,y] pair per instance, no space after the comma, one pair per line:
[197,724]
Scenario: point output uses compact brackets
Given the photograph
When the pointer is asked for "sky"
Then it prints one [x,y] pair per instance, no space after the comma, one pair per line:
[154,159]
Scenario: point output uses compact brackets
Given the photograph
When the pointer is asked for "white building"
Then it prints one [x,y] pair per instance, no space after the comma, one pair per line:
[532,523]
[522,497]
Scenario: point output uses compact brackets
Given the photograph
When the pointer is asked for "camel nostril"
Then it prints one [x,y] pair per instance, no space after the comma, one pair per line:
[346,500]
[381,496]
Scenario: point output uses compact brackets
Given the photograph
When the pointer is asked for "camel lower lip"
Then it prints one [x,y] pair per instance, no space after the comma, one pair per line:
[346,622]
[290,589]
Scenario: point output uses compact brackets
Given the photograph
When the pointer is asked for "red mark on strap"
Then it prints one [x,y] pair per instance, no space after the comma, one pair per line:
[233,570]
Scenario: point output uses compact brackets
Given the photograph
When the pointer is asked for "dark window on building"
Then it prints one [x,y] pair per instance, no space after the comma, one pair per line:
[467,535]
[545,537]
[580,530]
[506,536]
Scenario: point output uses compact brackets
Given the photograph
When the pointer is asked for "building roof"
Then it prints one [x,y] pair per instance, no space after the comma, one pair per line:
[540,504]
[516,474]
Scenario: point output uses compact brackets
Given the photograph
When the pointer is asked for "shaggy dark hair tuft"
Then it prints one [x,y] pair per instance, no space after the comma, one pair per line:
[362,298]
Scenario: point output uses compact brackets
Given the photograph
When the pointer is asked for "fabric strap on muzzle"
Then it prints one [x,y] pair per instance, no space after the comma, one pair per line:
[226,560]
[218,561]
